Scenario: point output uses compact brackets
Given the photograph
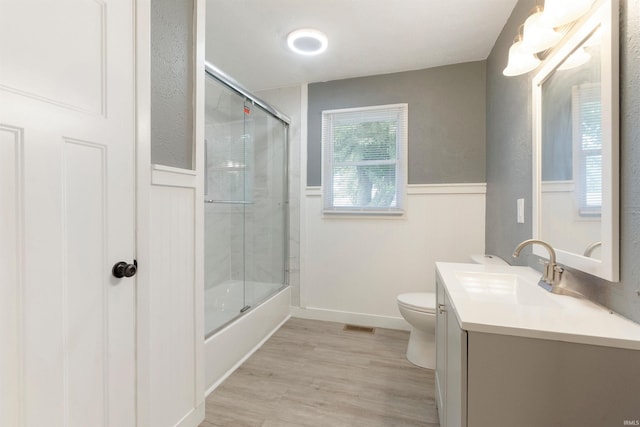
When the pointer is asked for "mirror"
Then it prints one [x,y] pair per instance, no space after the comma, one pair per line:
[575,118]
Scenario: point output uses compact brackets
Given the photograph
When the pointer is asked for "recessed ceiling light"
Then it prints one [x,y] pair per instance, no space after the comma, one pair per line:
[307,41]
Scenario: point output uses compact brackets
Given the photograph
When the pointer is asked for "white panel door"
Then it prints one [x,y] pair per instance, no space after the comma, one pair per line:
[67,326]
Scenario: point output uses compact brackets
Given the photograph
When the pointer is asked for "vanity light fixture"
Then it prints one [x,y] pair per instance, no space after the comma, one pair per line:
[537,37]
[539,34]
[307,41]
[560,12]
[520,62]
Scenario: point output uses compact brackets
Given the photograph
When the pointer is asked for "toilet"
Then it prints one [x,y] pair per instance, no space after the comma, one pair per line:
[419,309]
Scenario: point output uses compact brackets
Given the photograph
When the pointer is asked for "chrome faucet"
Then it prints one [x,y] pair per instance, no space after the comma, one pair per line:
[552,272]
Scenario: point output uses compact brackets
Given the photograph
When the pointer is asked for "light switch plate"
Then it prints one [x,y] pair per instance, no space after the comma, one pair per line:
[520,211]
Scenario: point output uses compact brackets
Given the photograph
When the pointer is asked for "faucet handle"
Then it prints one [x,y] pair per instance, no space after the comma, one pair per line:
[548,272]
[557,274]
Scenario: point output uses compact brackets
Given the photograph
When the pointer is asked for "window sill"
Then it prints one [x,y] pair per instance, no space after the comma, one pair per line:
[358,214]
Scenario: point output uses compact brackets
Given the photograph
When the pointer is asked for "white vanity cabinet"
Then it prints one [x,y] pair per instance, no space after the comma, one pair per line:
[492,371]
[451,363]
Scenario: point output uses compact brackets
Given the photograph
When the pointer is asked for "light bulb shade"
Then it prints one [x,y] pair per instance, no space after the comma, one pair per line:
[307,41]
[537,37]
[560,12]
[576,59]
[520,62]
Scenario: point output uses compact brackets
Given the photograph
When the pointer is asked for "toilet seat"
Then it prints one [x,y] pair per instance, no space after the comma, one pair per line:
[424,302]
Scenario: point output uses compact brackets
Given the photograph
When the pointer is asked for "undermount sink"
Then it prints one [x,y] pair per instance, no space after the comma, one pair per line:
[503,288]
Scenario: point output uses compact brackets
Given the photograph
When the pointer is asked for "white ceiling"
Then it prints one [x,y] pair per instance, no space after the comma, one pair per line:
[247,38]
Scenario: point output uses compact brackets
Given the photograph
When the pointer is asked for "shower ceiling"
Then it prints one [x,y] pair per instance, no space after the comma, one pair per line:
[247,38]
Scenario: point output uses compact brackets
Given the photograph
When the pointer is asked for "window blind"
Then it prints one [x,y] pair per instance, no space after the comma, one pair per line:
[363,159]
[587,126]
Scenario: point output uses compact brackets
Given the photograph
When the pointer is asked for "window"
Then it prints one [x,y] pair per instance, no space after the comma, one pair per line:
[587,136]
[364,152]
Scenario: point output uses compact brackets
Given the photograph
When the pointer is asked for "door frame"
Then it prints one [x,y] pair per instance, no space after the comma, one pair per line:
[142,208]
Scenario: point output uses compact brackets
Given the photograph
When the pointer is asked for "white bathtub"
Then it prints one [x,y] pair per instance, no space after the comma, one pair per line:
[231,345]
[224,301]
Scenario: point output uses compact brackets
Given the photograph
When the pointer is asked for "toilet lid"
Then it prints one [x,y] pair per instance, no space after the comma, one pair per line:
[420,301]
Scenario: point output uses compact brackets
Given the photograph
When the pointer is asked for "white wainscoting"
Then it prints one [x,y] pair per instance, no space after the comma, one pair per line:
[354,267]
[176,371]
[562,221]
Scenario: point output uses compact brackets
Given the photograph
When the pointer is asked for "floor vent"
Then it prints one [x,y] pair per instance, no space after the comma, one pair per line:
[356,328]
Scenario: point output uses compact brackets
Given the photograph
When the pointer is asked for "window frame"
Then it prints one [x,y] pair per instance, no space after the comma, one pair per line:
[401,163]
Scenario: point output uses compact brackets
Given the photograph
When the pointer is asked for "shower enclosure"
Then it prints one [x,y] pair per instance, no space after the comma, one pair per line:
[245,201]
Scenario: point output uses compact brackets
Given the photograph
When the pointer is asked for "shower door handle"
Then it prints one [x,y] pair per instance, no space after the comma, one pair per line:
[122,269]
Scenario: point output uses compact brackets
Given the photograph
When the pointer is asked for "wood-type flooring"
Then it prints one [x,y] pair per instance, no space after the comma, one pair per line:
[316,374]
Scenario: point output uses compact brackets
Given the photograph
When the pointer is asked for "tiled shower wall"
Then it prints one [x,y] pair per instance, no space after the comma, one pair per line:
[223,222]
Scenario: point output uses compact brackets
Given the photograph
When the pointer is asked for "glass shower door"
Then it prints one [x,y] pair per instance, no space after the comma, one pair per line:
[264,220]
[245,205]
[225,192]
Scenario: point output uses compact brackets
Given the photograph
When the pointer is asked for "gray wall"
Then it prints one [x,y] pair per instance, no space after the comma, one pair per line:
[172,83]
[446,119]
[509,158]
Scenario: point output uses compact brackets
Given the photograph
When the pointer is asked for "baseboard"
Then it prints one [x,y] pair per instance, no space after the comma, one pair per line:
[193,418]
[360,319]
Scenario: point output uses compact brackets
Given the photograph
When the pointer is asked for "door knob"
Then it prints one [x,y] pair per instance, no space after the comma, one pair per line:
[122,269]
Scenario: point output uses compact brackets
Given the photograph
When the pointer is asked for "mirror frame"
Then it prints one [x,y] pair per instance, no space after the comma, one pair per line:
[605,13]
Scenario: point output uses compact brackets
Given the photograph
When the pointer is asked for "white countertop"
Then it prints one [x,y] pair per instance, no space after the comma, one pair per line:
[507,300]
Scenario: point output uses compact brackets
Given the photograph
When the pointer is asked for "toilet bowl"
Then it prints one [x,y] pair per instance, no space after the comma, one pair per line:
[419,309]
